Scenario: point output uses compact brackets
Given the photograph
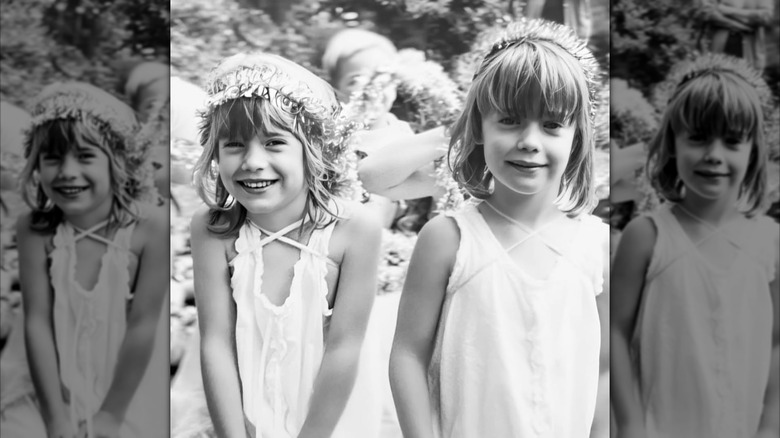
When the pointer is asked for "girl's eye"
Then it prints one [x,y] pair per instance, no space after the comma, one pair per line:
[552,126]
[51,158]
[697,138]
[86,156]
[274,142]
[507,121]
[233,144]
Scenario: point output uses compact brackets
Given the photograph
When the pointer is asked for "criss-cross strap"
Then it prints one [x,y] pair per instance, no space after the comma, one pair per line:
[90,233]
[529,232]
[281,237]
[713,230]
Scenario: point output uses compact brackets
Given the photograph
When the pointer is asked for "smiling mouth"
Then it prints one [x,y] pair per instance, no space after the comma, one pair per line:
[525,165]
[70,190]
[710,174]
[257,184]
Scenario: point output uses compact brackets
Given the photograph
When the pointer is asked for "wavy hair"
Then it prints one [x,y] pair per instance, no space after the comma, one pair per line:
[721,97]
[530,77]
[245,116]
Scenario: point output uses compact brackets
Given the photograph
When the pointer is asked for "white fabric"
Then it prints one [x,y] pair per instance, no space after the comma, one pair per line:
[89,330]
[702,341]
[517,356]
[280,348]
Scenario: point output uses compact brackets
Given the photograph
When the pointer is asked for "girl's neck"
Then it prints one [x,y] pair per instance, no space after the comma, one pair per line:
[715,212]
[88,220]
[278,219]
[530,210]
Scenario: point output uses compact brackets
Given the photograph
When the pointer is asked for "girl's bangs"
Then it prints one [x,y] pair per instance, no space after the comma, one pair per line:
[716,106]
[533,80]
[58,137]
[243,118]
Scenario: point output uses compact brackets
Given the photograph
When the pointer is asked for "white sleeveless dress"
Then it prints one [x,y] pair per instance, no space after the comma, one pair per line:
[517,356]
[703,336]
[280,348]
[89,327]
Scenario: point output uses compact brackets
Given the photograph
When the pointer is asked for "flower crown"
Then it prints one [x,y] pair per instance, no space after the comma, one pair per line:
[116,122]
[310,109]
[77,100]
[712,63]
[524,30]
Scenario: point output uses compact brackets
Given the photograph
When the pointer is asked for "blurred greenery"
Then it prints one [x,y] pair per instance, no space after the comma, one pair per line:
[43,41]
[202,31]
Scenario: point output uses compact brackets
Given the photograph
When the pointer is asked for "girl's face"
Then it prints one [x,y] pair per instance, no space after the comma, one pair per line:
[78,182]
[712,167]
[527,156]
[265,174]
[362,64]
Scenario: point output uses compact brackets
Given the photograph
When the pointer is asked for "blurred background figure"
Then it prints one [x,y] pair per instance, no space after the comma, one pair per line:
[738,28]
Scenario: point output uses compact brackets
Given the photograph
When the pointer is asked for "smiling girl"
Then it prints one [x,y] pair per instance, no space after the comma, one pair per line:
[694,337]
[284,271]
[498,331]
[90,258]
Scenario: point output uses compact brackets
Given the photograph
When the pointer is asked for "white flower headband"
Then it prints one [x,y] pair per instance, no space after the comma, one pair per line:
[525,30]
[115,119]
[310,109]
[685,71]
[77,100]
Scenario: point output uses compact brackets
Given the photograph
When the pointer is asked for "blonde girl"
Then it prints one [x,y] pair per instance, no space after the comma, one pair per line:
[93,265]
[284,271]
[498,331]
[694,337]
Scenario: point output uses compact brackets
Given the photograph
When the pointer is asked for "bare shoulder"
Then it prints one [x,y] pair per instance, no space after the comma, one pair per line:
[154,220]
[439,239]
[355,227]
[25,235]
[639,236]
[199,223]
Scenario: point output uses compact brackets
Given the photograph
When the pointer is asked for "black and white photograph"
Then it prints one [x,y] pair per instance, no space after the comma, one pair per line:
[85,226]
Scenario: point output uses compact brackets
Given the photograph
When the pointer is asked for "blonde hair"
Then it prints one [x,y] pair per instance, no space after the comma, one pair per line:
[531,72]
[718,96]
[69,114]
[298,92]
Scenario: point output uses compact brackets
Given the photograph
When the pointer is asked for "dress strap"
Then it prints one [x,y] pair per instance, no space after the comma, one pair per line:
[714,230]
[529,232]
[280,236]
[90,232]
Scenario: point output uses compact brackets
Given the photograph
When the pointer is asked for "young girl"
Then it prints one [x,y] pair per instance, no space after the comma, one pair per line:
[498,331]
[694,339]
[93,268]
[284,272]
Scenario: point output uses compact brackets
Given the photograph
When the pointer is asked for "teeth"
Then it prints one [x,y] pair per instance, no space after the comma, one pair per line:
[257,185]
[71,190]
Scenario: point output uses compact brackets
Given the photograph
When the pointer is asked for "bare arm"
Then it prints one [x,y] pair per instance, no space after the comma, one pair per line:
[39,333]
[354,298]
[396,159]
[418,318]
[144,317]
[770,417]
[628,273]
[217,321]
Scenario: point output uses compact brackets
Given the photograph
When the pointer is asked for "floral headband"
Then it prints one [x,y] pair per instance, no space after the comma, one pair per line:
[268,81]
[524,30]
[78,100]
[115,120]
[713,63]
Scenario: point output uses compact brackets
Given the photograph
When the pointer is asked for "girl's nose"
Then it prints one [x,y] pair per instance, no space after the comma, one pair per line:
[69,166]
[255,157]
[530,137]
[714,151]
